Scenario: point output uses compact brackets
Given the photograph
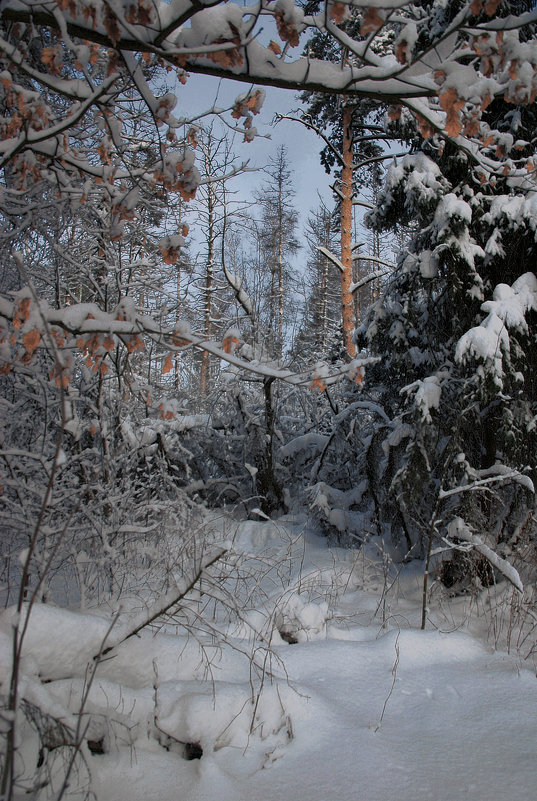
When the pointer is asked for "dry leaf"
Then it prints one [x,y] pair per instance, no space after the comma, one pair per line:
[318,383]
[400,52]
[287,31]
[229,344]
[491,7]
[31,340]
[424,126]
[168,364]
[337,12]
[111,24]
[452,105]
[372,21]
[22,312]
[275,47]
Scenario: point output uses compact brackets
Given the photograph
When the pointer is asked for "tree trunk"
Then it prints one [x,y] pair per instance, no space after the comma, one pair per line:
[347,304]
[209,289]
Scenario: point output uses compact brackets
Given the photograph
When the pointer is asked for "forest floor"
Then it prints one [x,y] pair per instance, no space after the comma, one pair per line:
[354,703]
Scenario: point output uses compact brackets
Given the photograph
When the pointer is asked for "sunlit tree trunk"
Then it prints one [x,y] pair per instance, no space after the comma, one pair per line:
[347,304]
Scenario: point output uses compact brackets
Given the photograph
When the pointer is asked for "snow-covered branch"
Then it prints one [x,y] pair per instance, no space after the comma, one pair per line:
[459,530]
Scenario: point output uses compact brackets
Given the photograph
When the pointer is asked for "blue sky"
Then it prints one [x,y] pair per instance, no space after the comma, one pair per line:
[201,92]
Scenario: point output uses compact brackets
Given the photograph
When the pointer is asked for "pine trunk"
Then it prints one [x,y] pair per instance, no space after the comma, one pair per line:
[347,305]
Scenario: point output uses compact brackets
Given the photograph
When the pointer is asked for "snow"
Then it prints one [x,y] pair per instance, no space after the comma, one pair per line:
[452,206]
[311,441]
[459,529]
[361,706]
[427,395]
[490,341]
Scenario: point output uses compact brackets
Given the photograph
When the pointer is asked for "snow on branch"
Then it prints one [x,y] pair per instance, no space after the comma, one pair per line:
[331,257]
[494,474]
[427,395]
[458,529]
[166,602]
[243,298]
[96,333]
[372,276]
[489,342]
[435,81]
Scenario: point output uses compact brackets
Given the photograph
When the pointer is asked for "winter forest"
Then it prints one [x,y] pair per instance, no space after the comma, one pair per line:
[268,436]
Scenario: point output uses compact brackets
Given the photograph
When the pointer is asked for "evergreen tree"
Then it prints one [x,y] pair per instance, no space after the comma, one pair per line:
[321,321]
[278,243]
[356,128]
[458,357]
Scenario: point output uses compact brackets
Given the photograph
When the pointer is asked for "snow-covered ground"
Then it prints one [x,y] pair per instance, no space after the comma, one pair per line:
[350,702]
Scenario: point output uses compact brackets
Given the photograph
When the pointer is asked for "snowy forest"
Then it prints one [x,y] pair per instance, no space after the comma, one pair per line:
[267,456]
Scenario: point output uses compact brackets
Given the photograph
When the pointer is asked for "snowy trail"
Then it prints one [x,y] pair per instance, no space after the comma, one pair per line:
[353,712]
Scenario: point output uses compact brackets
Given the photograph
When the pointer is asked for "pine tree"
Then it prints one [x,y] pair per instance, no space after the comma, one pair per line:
[278,243]
[355,127]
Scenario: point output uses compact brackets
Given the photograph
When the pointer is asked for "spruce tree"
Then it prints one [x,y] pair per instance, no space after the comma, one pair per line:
[455,335]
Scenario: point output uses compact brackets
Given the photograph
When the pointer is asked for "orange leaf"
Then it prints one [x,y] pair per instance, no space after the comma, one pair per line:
[165,414]
[51,58]
[487,100]
[400,52]
[424,126]
[287,31]
[491,7]
[60,376]
[111,24]
[372,21]
[31,340]
[22,312]
[319,384]
[229,342]
[471,127]
[168,364]
[337,12]
[170,255]
[179,342]
[476,6]
[134,343]
[254,102]
[452,104]
[94,54]
[275,47]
